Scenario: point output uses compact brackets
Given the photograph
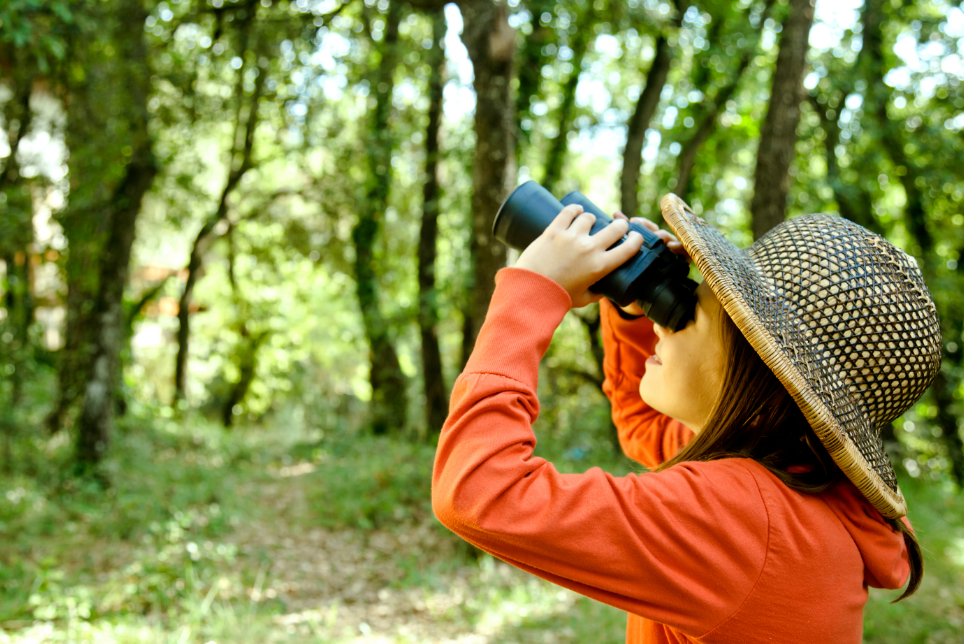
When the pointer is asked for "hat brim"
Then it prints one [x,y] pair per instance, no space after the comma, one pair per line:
[730,273]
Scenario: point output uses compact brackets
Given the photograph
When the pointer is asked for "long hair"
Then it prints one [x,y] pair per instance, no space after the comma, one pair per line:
[756,417]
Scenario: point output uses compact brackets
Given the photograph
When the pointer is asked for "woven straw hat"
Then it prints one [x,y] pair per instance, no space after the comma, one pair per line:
[841,316]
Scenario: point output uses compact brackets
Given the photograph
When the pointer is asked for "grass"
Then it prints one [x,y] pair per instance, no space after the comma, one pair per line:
[271,535]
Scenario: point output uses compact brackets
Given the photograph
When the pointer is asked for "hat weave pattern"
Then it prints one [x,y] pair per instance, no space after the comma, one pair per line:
[842,317]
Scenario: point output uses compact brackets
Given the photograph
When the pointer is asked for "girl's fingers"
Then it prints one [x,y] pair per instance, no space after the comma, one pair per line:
[582,224]
[677,247]
[619,215]
[612,233]
[565,217]
[620,254]
[642,221]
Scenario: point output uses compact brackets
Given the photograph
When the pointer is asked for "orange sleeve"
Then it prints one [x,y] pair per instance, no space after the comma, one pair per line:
[646,435]
[683,547]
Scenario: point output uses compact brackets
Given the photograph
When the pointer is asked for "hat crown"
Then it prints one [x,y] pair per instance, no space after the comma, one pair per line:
[864,308]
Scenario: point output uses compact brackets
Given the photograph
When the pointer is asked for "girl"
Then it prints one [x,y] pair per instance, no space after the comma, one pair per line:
[772,505]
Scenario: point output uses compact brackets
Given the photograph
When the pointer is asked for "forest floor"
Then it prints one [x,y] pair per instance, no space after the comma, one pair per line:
[256,537]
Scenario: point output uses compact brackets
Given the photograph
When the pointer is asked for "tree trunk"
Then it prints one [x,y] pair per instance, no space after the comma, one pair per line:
[389,404]
[778,135]
[96,419]
[248,345]
[90,135]
[84,241]
[247,368]
[639,123]
[943,392]
[16,240]
[532,58]
[707,125]
[490,42]
[557,150]
[436,407]
[240,161]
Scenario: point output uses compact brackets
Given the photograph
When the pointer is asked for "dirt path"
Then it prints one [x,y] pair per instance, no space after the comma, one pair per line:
[383,585]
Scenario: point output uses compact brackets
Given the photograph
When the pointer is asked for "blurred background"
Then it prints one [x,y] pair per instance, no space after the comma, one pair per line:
[245,251]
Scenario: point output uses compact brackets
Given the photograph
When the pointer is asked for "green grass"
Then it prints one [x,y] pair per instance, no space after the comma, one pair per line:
[203,536]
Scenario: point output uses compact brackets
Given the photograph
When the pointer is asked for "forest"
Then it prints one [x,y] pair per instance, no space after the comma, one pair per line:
[246,248]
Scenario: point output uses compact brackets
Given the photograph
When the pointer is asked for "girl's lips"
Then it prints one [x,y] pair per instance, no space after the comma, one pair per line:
[654,359]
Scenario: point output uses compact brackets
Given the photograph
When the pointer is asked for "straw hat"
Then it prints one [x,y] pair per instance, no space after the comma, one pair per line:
[841,316]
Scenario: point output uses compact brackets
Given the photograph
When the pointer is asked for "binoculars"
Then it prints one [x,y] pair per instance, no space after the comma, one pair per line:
[655,277]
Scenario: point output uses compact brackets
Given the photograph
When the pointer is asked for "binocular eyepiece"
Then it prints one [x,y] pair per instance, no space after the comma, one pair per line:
[655,277]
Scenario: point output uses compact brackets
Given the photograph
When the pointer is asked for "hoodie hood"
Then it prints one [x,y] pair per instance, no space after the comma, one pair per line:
[886,561]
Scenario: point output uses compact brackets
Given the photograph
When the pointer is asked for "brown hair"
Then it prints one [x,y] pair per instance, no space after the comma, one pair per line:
[756,417]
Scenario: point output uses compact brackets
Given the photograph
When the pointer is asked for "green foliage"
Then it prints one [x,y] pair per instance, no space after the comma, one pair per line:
[38,27]
[369,482]
[170,496]
[178,569]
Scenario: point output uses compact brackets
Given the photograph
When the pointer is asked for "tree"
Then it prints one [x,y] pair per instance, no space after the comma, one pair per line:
[389,403]
[579,42]
[643,114]
[436,404]
[778,135]
[532,56]
[241,160]
[707,123]
[16,230]
[490,42]
[95,424]
[913,179]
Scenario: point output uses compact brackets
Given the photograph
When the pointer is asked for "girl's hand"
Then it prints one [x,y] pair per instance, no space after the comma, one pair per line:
[668,238]
[567,254]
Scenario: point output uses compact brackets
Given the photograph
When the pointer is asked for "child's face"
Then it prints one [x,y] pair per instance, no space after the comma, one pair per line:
[686,385]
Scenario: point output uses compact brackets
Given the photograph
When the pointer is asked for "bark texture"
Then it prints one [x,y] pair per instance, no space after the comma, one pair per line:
[389,404]
[778,135]
[490,42]
[436,398]
[96,419]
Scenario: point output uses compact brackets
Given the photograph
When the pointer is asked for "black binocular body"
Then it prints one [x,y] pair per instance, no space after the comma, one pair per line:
[655,277]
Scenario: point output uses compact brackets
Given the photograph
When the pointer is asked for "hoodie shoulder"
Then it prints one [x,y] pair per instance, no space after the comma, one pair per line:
[886,560]
[838,526]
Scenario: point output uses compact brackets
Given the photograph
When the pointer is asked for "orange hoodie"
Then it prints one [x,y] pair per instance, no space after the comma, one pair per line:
[710,552]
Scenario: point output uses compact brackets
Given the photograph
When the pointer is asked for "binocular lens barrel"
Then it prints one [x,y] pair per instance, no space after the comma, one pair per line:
[655,277]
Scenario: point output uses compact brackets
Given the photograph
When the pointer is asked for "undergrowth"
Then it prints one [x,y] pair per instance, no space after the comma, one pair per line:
[145,553]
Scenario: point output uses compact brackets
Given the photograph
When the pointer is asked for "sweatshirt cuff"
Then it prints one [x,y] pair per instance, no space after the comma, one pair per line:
[636,331]
[525,310]
[618,316]
[627,316]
